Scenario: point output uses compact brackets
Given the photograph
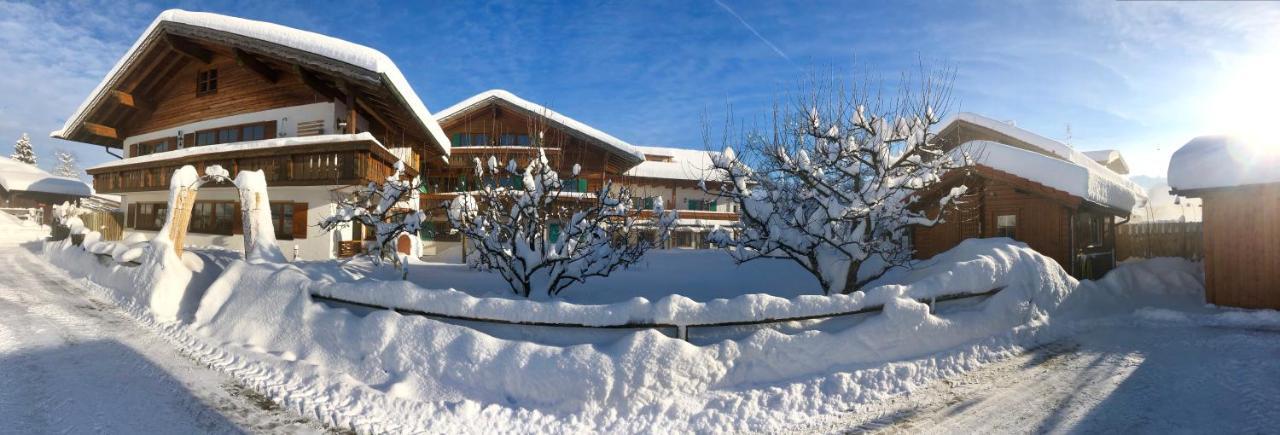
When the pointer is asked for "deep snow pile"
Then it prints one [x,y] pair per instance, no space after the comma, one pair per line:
[437,377]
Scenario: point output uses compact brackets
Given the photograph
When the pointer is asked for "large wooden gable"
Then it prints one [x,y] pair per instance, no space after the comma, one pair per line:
[153,87]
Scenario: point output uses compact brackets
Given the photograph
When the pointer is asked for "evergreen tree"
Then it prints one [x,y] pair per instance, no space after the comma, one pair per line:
[67,165]
[23,152]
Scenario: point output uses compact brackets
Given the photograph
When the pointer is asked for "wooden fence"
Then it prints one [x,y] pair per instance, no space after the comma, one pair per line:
[1160,239]
[106,222]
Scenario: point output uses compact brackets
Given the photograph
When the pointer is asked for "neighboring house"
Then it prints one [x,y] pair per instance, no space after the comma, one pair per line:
[500,124]
[27,186]
[1024,186]
[1239,183]
[675,175]
[317,114]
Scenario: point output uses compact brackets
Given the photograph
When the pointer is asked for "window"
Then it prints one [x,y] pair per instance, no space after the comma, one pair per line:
[151,216]
[648,203]
[461,140]
[206,138]
[1007,226]
[701,205]
[479,139]
[212,217]
[226,135]
[553,232]
[282,220]
[206,82]
[151,147]
[523,140]
[507,140]
[254,132]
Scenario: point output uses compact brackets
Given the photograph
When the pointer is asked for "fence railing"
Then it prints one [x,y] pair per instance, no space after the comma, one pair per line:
[681,329]
[1160,239]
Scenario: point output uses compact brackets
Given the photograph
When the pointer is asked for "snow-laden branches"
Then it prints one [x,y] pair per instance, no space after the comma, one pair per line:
[524,226]
[67,165]
[389,210]
[832,186]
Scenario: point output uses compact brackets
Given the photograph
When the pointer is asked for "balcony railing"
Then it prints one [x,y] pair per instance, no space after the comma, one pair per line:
[337,163]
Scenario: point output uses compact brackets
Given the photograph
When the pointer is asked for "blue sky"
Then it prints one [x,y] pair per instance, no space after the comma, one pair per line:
[1141,77]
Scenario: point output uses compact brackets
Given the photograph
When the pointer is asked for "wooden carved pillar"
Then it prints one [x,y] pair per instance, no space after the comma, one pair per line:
[182,205]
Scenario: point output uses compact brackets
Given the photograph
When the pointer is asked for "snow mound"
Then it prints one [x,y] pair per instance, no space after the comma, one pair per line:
[1223,161]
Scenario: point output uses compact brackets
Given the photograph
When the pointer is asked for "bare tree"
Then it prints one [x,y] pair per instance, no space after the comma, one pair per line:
[389,210]
[513,216]
[832,184]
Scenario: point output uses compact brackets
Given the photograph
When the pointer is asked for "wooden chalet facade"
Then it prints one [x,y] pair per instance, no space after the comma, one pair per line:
[1030,189]
[318,115]
[1240,187]
[500,124]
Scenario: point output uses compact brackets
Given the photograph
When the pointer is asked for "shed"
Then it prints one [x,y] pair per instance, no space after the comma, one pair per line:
[1239,182]
[1059,201]
[27,186]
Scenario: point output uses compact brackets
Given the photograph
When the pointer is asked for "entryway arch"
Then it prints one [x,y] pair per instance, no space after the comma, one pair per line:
[255,209]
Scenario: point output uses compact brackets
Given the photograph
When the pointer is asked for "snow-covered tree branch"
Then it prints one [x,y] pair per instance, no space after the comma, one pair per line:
[513,218]
[832,185]
[388,210]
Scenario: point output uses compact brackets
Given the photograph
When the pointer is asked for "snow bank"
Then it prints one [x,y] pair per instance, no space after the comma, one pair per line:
[1222,161]
[322,45]
[384,372]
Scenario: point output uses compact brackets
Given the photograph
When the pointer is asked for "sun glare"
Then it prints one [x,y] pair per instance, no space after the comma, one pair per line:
[1246,100]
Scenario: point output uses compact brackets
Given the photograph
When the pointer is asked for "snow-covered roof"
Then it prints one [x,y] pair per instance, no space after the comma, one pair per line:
[485,97]
[1053,149]
[685,164]
[333,48]
[1111,159]
[1223,161]
[18,176]
[1078,180]
[241,146]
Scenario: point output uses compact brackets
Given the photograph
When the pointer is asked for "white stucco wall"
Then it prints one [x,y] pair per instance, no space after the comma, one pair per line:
[318,244]
[287,119]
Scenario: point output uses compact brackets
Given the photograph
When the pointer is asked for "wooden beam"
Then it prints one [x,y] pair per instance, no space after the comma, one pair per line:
[316,84]
[352,118]
[129,100]
[189,49]
[101,130]
[373,114]
[246,60]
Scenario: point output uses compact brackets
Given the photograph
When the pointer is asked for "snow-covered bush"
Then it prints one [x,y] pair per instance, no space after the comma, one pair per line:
[513,226]
[389,210]
[832,185]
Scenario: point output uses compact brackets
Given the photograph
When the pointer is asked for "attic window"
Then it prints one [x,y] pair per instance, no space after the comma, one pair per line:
[1007,226]
[207,82]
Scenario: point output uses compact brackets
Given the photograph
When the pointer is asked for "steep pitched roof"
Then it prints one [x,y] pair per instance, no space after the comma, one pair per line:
[511,100]
[335,50]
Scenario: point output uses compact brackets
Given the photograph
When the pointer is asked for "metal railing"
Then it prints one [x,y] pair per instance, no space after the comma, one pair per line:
[682,330]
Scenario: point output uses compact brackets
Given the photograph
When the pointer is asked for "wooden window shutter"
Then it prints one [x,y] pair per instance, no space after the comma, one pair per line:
[131,221]
[270,128]
[299,220]
[237,220]
[188,140]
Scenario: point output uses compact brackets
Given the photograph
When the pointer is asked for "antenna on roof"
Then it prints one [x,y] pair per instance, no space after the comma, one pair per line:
[1068,139]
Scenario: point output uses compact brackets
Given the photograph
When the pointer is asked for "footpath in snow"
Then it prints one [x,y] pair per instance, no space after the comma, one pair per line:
[71,364]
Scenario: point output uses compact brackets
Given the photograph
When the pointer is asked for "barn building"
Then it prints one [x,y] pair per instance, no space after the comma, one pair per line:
[1239,183]
[1059,201]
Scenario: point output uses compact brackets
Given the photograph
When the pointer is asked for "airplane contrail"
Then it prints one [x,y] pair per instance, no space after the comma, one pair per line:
[753,30]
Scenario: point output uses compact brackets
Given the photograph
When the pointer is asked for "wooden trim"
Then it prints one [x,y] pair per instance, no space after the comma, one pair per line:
[316,84]
[299,220]
[246,60]
[131,101]
[188,48]
[101,130]
[237,220]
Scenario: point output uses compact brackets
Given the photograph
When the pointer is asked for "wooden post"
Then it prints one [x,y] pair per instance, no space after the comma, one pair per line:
[351,113]
[181,218]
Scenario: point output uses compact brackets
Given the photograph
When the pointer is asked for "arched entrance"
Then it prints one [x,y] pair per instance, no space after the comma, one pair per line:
[255,209]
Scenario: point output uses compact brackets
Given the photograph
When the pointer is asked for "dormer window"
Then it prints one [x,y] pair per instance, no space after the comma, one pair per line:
[206,82]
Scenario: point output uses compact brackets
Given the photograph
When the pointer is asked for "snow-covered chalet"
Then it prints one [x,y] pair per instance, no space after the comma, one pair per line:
[1059,201]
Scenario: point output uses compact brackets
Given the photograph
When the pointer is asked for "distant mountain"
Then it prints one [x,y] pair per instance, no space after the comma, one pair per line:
[1162,206]
[1147,181]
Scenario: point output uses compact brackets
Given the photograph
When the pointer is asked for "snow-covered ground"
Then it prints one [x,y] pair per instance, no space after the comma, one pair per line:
[1160,372]
[74,364]
[380,371]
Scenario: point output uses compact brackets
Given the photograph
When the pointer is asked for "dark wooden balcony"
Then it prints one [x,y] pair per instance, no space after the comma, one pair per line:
[336,163]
